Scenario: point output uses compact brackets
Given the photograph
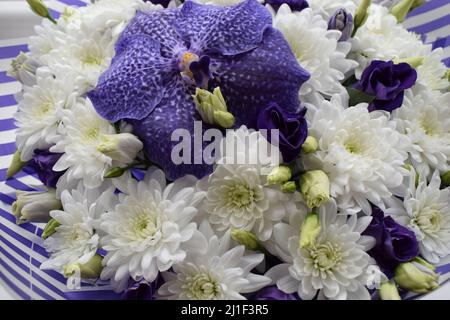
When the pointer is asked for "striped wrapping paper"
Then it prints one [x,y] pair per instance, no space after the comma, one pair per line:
[21,250]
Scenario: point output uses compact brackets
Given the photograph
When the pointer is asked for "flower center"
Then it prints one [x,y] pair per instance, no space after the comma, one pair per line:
[194,69]
[326,256]
[202,287]
[353,146]
[429,220]
[241,196]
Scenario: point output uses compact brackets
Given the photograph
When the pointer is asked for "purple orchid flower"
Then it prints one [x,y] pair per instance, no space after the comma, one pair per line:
[273,293]
[161,57]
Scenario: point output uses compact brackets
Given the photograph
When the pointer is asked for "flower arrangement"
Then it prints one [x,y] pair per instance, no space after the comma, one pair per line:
[226,149]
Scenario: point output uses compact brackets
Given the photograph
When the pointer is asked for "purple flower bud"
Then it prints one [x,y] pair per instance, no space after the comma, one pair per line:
[295,5]
[292,127]
[342,21]
[43,163]
[387,82]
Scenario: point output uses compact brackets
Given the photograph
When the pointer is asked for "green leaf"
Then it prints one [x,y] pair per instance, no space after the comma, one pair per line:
[115,172]
[357,96]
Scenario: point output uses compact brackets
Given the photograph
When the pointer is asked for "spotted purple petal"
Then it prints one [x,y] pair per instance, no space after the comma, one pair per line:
[159,25]
[228,30]
[134,84]
[176,111]
[252,80]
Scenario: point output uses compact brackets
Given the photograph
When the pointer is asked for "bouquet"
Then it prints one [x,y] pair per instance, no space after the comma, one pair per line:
[226,149]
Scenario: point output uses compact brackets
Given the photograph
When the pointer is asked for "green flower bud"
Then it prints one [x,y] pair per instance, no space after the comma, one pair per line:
[417,3]
[310,145]
[40,9]
[35,206]
[361,14]
[445,179]
[89,270]
[16,165]
[416,276]
[122,147]
[414,62]
[424,263]
[223,119]
[279,175]
[115,172]
[213,108]
[309,230]
[245,238]
[401,9]
[289,187]
[388,291]
[315,187]
[50,228]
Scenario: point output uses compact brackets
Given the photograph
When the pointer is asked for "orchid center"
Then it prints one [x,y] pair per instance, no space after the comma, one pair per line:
[194,69]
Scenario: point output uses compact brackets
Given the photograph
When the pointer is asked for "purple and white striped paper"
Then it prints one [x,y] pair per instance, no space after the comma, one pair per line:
[21,251]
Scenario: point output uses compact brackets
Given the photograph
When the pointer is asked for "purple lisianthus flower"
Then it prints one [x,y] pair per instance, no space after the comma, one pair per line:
[163,54]
[387,82]
[164,3]
[142,290]
[292,127]
[273,293]
[394,242]
[295,5]
[343,21]
[42,163]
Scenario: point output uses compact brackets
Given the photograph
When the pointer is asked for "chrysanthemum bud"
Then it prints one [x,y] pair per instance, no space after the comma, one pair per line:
[315,187]
[416,276]
[89,270]
[401,9]
[414,62]
[289,186]
[122,147]
[309,230]
[39,7]
[50,228]
[245,238]
[213,108]
[279,175]
[310,145]
[388,291]
[35,206]
[361,14]
[16,165]
[417,3]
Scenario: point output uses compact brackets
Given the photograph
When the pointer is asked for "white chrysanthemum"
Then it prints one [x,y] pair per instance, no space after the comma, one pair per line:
[425,118]
[426,210]
[39,112]
[76,239]
[382,38]
[48,37]
[316,48]
[150,229]
[361,152]
[91,145]
[327,8]
[214,271]
[336,264]
[84,52]
[237,195]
